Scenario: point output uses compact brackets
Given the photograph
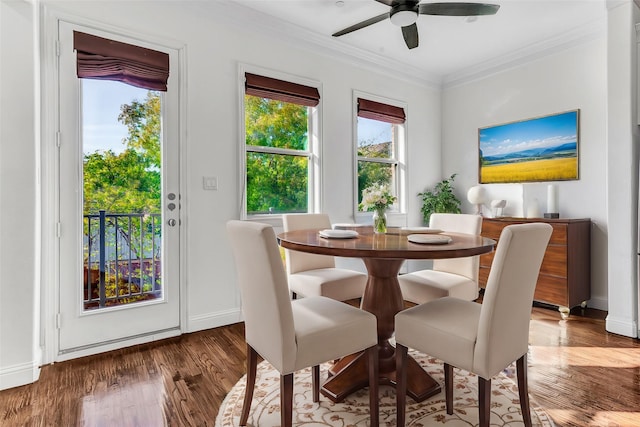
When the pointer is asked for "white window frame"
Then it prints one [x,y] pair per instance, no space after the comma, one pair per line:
[397,217]
[314,145]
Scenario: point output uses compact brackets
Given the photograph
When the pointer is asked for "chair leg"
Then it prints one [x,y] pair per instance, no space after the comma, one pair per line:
[523,389]
[315,382]
[252,363]
[401,383]
[484,401]
[374,405]
[286,400]
[448,387]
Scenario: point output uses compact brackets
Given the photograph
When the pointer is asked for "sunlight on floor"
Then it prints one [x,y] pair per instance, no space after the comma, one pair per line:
[600,419]
[115,404]
[606,357]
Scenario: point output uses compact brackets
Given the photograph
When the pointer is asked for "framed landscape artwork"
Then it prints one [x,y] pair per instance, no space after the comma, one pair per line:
[539,149]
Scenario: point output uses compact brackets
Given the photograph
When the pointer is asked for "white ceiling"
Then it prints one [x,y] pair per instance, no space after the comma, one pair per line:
[450,47]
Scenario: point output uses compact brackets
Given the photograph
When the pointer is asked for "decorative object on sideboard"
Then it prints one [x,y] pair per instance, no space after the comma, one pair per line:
[552,202]
[497,207]
[477,196]
[533,209]
[533,150]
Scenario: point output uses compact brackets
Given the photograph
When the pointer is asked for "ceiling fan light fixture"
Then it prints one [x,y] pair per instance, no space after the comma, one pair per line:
[403,18]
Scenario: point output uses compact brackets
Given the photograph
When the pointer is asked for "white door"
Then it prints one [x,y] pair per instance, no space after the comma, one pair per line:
[119,207]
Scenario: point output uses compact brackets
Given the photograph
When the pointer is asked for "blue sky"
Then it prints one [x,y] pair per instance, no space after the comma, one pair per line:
[101,101]
[373,131]
[542,132]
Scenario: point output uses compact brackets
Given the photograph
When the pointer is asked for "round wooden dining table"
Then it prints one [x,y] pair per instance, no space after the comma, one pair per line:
[383,256]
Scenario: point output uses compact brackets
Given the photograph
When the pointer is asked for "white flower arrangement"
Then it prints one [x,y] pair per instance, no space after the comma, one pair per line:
[377,197]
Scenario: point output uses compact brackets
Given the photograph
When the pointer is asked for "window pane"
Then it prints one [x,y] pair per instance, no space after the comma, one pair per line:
[270,123]
[276,183]
[122,175]
[370,173]
[375,139]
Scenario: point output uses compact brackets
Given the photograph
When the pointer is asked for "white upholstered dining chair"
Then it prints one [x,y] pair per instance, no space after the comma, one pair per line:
[312,274]
[480,338]
[456,277]
[293,335]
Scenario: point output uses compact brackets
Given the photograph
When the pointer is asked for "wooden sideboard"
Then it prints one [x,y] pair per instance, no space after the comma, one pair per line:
[565,274]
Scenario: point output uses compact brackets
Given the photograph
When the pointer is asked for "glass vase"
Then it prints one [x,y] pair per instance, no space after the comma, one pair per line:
[379,221]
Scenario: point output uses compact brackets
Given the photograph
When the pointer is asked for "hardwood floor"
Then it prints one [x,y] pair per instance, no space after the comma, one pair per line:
[580,374]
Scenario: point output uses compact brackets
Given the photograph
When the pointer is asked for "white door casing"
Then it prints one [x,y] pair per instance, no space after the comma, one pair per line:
[83,332]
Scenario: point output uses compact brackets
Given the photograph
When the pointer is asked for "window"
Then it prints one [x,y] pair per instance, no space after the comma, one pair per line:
[280,149]
[380,147]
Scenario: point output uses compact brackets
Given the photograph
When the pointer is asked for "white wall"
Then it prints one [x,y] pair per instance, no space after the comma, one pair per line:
[622,166]
[571,79]
[214,47]
[19,306]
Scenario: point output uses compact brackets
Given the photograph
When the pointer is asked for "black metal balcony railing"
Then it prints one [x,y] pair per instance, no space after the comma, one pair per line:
[122,259]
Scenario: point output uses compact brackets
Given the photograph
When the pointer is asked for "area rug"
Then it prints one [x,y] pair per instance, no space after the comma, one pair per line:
[354,410]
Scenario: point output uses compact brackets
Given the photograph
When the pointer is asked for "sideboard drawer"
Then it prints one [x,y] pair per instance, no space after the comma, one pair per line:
[552,290]
[554,262]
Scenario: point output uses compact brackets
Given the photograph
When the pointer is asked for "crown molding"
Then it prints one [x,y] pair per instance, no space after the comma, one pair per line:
[577,36]
[248,19]
[230,13]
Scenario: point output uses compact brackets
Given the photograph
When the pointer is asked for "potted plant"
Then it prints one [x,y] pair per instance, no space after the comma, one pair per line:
[440,199]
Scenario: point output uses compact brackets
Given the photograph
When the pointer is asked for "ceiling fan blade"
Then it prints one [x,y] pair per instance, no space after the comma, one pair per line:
[458,9]
[361,25]
[410,34]
[387,2]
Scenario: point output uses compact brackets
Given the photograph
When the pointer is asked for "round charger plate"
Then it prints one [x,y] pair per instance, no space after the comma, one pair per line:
[338,234]
[428,239]
[347,226]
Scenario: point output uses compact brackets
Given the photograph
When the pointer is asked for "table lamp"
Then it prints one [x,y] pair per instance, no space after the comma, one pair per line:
[477,196]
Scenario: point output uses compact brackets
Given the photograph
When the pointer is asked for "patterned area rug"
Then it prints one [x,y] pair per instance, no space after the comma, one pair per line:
[354,410]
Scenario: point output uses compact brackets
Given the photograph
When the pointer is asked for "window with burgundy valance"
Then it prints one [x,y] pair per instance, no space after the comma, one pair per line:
[281,141]
[379,146]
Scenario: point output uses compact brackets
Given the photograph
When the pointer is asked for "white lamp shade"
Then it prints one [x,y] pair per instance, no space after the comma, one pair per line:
[476,195]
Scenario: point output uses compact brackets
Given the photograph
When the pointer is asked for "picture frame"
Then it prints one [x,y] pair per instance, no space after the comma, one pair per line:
[543,148]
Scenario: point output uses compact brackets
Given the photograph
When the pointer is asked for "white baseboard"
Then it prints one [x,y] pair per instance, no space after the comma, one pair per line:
[214,320]
[625,327]
[20,374]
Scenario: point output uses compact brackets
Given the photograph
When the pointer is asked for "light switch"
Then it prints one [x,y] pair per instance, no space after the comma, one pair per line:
[210,182]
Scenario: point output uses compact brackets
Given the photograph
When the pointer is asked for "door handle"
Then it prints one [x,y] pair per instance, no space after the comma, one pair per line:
[171,222]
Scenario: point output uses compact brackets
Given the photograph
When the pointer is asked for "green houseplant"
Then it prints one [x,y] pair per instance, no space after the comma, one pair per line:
[440,199]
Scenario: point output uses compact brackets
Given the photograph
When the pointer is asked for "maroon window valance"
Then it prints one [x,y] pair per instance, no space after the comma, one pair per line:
[267,87]
[381,112]
[104,59]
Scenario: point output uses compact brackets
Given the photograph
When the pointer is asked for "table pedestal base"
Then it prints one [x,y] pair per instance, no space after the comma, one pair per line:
[383,298]
[350,375]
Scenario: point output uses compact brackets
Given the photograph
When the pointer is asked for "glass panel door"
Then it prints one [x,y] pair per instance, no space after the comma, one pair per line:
[119,208]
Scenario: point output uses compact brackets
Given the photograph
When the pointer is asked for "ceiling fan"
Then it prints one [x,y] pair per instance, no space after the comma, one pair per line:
[404,13]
